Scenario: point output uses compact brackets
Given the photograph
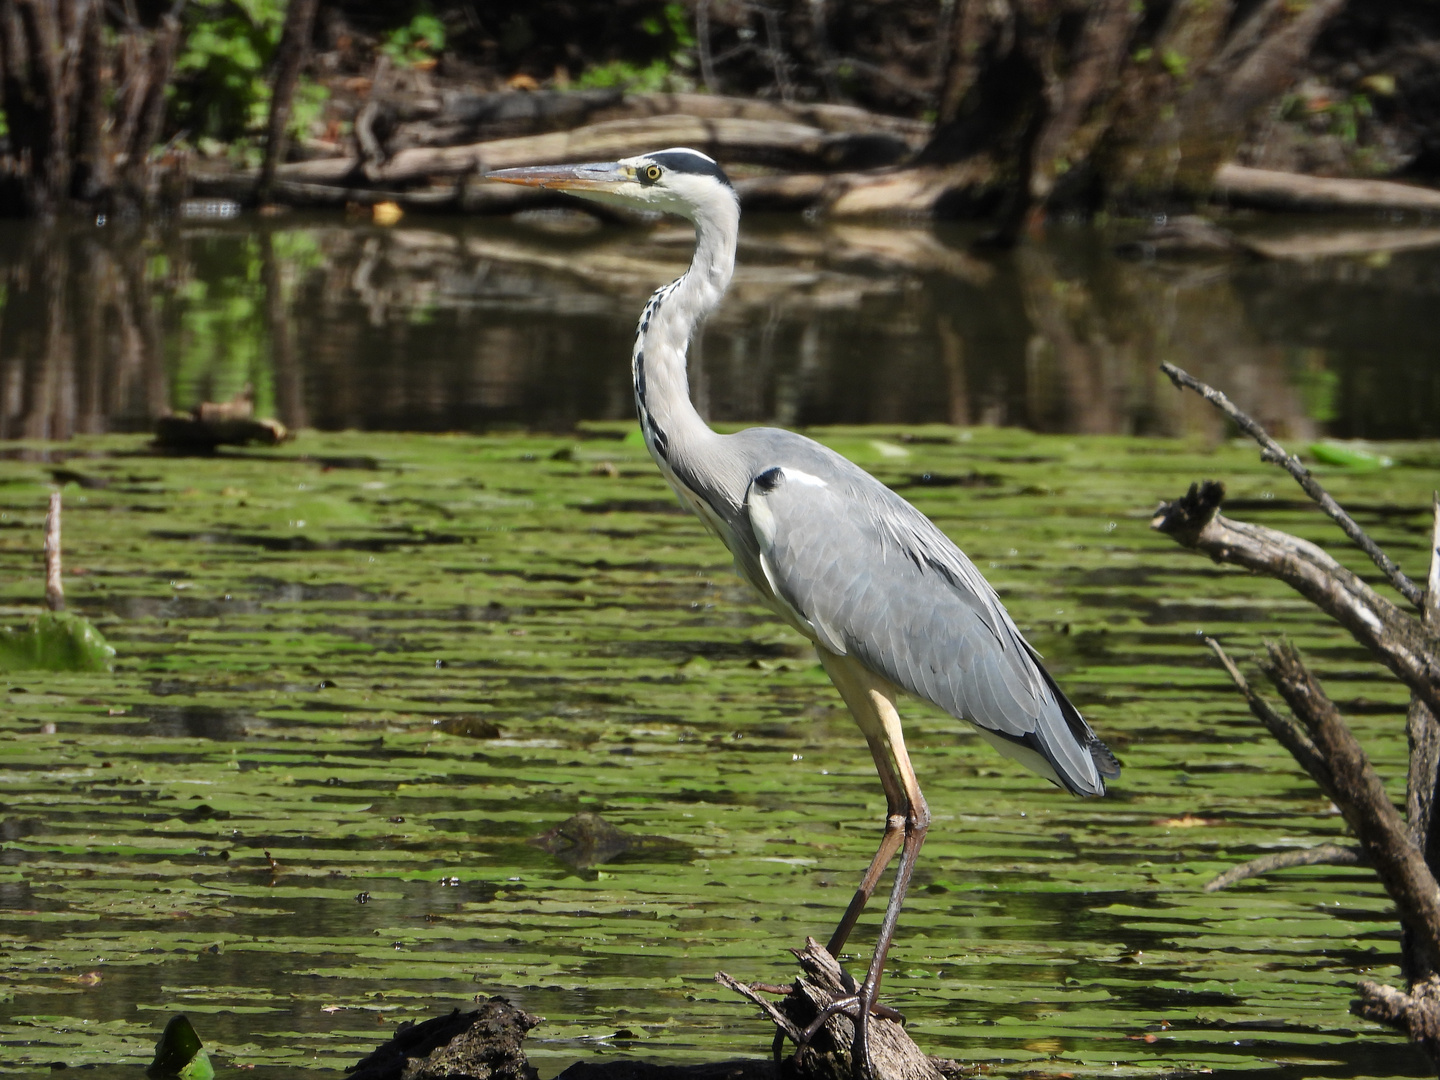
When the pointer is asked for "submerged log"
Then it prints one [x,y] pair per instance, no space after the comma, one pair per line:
[487,1044]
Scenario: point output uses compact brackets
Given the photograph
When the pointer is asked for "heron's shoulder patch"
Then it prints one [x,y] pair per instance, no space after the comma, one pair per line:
[773,477]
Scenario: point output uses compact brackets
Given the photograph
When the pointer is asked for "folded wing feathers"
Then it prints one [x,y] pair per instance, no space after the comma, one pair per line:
[898,594]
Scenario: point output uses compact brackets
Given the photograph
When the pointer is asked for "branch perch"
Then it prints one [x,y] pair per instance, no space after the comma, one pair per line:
[1416,1013]
[892,1054]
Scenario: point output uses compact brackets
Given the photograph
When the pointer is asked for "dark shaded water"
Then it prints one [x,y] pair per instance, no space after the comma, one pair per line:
[442,324]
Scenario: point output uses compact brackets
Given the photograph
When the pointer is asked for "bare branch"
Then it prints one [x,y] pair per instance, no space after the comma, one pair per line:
[1397,639]
[778,1018]
[1363,800]
[1274,453]
[1320,855]
[1288,733]
[54,589]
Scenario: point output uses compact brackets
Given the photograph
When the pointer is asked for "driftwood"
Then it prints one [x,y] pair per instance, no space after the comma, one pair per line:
[1265,188]
[456,118]
[768,142]
[1400,850]
[218,423]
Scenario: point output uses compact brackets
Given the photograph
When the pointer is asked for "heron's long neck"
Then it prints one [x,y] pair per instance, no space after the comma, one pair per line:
[673,430]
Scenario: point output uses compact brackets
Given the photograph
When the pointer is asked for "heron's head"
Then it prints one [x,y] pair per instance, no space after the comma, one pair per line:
[676,181]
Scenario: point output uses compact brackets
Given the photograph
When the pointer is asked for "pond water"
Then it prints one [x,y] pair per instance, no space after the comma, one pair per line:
[469,325]
[358,675]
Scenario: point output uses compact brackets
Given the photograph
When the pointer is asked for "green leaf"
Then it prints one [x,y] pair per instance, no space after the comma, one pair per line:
[178,1053]
[56,641]
[1348,456]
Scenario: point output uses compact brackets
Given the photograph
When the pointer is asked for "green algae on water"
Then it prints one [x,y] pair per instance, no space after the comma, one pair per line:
[346,699]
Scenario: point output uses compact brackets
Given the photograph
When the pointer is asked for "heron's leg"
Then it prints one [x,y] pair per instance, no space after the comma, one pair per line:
[854,688]
[874,709]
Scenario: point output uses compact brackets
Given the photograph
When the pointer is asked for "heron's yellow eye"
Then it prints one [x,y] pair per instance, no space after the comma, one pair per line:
[652,173]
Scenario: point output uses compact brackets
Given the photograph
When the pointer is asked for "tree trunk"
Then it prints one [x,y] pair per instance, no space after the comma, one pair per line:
[290,56]
[1106,109]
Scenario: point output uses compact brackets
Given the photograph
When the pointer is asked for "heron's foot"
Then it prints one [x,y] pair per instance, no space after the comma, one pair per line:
[853,1006]
[848,1006]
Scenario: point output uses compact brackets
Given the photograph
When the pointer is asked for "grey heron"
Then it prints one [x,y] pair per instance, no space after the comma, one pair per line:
[890,603]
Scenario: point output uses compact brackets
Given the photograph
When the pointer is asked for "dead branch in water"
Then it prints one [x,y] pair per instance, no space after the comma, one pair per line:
[1403,851]
[1319,855]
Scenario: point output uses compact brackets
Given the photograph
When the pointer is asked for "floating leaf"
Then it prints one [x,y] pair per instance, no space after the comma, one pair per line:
[178,1053]
[55,641]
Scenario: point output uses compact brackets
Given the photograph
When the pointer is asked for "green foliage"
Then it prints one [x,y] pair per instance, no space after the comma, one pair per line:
[672,27]
[221,89]
[1339,115]
[653,76]
[1175,63]
[307,106]
[416,42]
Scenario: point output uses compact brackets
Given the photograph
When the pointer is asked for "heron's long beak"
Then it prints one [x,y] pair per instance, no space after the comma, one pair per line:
[593,176]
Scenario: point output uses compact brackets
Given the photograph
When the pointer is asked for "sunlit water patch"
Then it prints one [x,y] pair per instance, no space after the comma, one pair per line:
[346,700]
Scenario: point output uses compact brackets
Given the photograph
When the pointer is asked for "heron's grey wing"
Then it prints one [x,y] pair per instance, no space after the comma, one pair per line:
[877,579]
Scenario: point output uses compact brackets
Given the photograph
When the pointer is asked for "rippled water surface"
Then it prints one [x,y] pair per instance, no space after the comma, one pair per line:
[357,674]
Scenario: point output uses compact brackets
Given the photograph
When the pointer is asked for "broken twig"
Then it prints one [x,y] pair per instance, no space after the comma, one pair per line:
[54,589]
[1288,733]
[1273,452]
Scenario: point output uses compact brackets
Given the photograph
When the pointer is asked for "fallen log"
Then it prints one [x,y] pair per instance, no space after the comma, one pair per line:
[1271,190]
[455,118]
[764,142]
[923,191]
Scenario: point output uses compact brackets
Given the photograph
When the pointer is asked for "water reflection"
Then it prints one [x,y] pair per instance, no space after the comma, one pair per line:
[466,324]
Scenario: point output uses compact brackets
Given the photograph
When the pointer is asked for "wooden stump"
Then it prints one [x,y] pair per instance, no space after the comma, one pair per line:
[892,1053]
